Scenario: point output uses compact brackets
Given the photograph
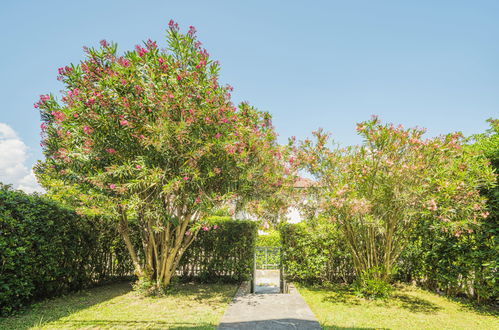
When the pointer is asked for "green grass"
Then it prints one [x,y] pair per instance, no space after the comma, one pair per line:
[188,306]
[409,308]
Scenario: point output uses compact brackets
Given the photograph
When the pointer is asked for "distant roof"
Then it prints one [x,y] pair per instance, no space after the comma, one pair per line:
[304,183]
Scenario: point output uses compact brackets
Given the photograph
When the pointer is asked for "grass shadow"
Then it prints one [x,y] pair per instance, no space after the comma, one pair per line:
[482,309]
[333,327]
[57,312]
[415,304]
[130,324]
[54,309]
[336,294]
[465,304]
[208,294]
[344,295]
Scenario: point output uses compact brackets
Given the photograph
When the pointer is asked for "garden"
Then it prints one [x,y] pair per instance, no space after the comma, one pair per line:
[148,162]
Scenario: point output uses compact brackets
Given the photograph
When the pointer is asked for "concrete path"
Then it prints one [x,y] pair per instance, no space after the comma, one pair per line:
[268,311]
[267,281]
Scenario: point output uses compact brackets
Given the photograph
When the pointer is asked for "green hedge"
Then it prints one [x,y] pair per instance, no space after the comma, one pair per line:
[47,250]
[273,239]
[222,254]
[315,253]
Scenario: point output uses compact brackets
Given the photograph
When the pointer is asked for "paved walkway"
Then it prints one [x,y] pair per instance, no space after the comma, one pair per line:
[268,311]
[267,281]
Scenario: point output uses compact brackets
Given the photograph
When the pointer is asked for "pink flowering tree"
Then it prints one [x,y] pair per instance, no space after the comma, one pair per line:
[377,192]
[151,136]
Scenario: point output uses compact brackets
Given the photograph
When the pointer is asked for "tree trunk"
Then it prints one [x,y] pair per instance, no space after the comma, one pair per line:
[125,233]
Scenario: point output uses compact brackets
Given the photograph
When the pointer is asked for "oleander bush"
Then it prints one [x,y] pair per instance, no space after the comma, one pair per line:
[154,135]
[462,263]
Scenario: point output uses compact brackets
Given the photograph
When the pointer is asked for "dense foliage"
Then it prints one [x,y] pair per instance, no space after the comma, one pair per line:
[463,263]
[315,253]
[223,251]
[380,191]
[151,135]
[271,238]
[46,250]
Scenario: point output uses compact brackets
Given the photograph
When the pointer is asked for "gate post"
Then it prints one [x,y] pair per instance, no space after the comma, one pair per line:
[253,276]
[281,272]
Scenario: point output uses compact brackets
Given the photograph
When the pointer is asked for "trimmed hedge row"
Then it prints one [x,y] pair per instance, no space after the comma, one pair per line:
[47,250]
[315,253]
[222,254]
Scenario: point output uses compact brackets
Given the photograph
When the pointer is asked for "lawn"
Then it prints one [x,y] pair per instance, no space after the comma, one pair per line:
[409,308]
[188,306]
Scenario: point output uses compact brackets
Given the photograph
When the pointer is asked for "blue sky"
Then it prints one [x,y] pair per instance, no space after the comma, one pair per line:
[311,64]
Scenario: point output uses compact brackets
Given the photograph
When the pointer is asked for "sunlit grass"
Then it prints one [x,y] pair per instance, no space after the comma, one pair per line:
[193,306]
[409,308]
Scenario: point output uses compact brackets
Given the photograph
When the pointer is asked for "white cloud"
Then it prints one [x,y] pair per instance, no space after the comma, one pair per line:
[13,156]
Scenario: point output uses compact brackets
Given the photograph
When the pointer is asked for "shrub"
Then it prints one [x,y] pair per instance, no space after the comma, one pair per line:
[465,262]
[272,239]
[370,286]
[46,250]
[223,251]
[379,192]
[315,253]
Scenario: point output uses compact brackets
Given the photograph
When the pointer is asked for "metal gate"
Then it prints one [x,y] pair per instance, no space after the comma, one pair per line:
[268,263]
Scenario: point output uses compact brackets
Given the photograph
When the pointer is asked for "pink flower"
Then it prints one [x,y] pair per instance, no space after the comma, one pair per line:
[112,186]
[74,92]
[192,30]
[151,44]
[205,228]
[141,51]
[218,135]
[104,43]
[43,126]
[178,77]
[111,151]
[59,116]
[87,129]
[138,167]
[187,233]
[186,178]
[75,115]
[124,62]
[198,200]
[44,98]
[123,122]
[173,25]
[215,227]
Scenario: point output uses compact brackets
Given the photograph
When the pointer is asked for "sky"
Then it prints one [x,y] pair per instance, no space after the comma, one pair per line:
[311,64]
